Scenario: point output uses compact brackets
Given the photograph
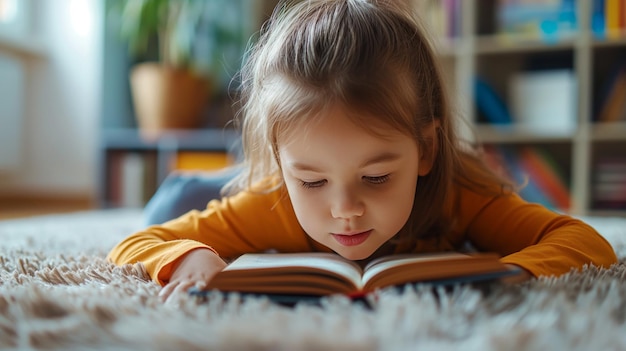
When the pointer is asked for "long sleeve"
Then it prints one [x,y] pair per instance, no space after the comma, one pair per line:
[246,222]
[531,236]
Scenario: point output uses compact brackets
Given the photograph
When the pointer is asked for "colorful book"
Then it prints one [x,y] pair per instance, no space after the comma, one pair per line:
[609,183]
[490,103]
[530,191]
[543,170]
[613,12]
[201,160]
[505,162]
[614,104]
[598,25]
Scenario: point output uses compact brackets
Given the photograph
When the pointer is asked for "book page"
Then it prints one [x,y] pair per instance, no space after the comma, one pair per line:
[295,262]
[414,268]
[385,262]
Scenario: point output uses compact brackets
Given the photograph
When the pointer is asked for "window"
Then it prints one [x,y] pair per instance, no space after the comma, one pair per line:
[15,17]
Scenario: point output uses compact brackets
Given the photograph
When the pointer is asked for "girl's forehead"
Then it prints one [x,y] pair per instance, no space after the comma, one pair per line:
[341,117]
[294,103]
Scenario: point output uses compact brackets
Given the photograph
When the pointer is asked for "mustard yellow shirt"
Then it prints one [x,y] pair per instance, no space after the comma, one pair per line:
[528,235]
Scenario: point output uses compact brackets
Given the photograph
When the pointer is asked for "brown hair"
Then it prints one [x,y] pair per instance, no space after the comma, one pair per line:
[373,57]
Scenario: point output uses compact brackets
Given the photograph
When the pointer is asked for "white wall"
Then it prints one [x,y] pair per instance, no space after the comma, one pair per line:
[11,105]
[61,103]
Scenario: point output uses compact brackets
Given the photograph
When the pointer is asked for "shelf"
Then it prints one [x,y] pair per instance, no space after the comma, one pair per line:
[133,164]
[204,140]
[475,51]
[607,213]
[609,132]
[25,47]
[514,134]
[609,42]
[499,44]
[592,59]
[450,47]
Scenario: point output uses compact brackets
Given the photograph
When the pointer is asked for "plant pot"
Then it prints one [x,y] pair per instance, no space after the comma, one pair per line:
[167,98]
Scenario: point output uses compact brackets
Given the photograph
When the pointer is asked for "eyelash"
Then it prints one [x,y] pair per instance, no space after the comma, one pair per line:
[312,185]
[373,180]
[378,180]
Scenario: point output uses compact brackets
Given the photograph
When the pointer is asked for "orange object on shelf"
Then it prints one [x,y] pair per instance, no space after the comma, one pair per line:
[201,160]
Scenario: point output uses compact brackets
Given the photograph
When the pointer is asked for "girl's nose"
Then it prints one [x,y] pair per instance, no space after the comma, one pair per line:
[347,204]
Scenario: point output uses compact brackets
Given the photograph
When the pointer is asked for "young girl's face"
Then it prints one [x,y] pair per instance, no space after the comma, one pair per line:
[351,190]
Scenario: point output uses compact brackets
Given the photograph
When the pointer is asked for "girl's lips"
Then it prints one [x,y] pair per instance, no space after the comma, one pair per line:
[352,239]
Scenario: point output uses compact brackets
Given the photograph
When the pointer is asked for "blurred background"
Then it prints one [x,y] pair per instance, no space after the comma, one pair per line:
[101,99]
[65,92]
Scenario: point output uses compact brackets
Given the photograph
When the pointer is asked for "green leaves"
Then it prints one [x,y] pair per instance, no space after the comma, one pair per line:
[206,36]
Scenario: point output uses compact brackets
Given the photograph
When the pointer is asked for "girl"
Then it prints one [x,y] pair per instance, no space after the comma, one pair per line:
[350,148]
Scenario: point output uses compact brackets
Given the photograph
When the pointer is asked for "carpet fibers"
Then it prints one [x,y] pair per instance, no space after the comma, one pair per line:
[57,292]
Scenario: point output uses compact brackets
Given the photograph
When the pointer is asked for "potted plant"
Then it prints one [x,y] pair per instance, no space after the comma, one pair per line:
[180,47]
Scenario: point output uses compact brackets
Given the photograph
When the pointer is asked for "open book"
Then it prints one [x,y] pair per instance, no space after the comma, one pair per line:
[322,274]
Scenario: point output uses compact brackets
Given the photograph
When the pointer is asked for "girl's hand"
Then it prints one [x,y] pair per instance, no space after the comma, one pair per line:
[196,268]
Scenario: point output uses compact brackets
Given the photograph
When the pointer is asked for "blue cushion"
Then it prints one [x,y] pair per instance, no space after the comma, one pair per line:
[182,192]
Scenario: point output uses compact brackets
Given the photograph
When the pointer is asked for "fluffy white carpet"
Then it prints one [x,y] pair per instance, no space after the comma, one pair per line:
[58,293]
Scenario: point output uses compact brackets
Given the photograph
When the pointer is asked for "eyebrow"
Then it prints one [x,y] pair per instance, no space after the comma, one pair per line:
[381,158]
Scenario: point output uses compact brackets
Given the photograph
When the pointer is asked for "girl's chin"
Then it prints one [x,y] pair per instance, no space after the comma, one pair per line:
[355,254]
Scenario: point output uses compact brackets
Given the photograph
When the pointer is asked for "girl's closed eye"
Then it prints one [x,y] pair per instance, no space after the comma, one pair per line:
[376,180]
[311,185]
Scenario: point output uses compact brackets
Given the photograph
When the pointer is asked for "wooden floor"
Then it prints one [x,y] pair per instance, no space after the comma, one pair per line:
[28,207]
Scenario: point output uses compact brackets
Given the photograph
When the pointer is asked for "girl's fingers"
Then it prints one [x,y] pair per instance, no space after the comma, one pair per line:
[167,290]
[183,287]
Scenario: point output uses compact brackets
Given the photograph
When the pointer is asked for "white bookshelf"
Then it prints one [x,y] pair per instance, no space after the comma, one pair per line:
[478,49]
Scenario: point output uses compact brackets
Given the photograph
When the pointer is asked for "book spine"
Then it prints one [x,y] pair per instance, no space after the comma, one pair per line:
[546,20]
[543,170]
[452,17]
[442,16]
[132,175]
[612,9]
[201,160]
[609,187]
[506,162]
[114,181]
[598,25]
[150,179]
[615,101]
[490,104]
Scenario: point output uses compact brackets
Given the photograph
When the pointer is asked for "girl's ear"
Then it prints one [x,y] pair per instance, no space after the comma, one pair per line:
[428,150]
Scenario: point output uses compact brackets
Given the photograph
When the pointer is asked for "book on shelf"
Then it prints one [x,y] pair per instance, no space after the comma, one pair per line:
[150,177]
[131,179]
[321,274]
[547,20]
[133,171]
[613,104]
[609,183]
[490,104]
[201,160]
[506,162]
[536,172]
[598,25]
[613,18]
[542,169]
[442,16]
[608,18]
